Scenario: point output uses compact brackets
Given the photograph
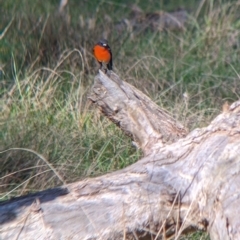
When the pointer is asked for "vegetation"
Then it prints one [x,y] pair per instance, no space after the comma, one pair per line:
[50,133]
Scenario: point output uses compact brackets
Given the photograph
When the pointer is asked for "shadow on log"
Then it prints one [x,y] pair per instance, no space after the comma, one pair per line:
[184,181]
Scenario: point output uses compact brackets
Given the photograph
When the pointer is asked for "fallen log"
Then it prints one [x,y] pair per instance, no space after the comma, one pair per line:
[185,181]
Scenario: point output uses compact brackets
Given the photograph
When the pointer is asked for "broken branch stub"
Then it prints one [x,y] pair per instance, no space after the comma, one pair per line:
[135,113]
[192,183]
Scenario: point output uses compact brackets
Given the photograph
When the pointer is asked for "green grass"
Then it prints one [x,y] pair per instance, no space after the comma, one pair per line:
[51,134]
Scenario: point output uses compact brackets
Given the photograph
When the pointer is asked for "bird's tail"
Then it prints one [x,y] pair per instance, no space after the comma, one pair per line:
[110,65]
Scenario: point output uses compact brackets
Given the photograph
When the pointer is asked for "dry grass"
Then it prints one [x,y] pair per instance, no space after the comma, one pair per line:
[51,134]
[51,130]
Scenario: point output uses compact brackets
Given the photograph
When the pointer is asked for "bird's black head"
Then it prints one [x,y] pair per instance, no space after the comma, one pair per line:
[103,42]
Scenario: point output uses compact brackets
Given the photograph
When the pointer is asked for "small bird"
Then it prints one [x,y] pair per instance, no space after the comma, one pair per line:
[102,52]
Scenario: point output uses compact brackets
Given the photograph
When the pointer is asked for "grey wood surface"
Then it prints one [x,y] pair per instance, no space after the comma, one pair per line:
[185,181]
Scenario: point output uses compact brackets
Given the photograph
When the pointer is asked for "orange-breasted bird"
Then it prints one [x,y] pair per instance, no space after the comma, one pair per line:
[102,52]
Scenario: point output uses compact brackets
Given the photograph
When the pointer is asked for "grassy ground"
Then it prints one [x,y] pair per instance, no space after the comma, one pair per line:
[50,133]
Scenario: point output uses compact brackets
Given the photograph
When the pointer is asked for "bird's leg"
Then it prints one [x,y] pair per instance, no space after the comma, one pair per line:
[100,65]
[103,67]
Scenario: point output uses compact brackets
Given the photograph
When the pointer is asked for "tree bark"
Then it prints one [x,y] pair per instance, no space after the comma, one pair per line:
[184,181]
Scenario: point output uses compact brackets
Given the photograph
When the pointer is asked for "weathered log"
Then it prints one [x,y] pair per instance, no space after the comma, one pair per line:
[135,113]
[182,183]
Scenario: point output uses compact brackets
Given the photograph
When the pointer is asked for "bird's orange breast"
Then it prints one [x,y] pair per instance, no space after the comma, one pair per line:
[101,54]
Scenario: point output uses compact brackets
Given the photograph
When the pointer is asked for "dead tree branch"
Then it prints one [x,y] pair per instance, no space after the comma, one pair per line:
[181,184]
